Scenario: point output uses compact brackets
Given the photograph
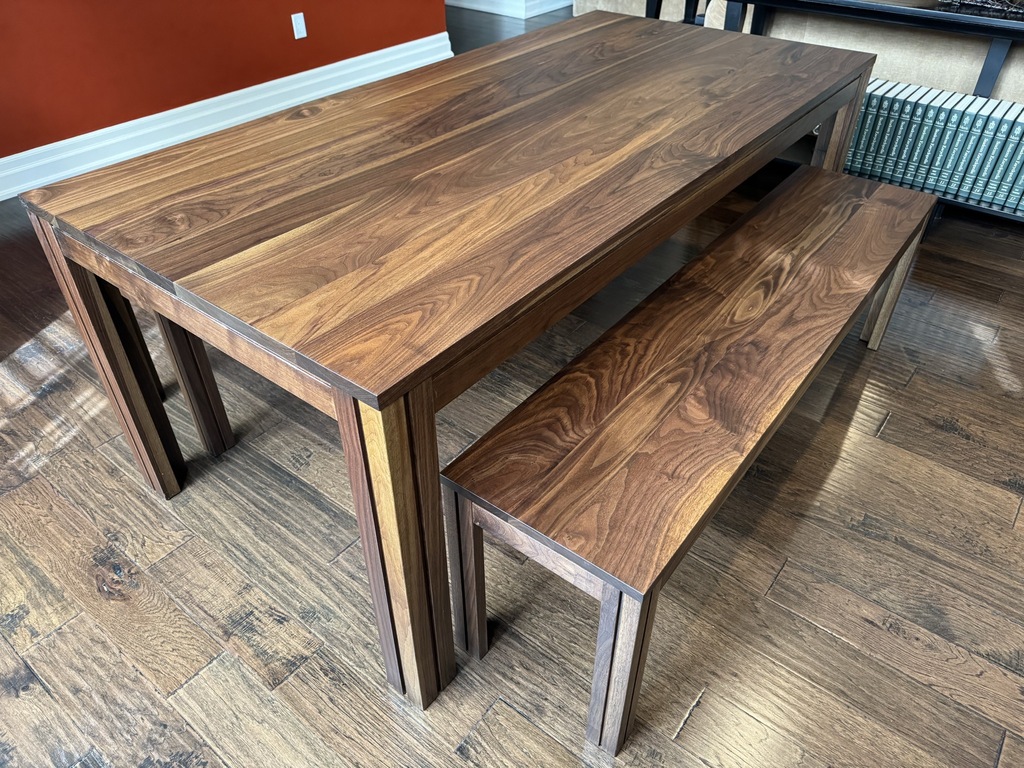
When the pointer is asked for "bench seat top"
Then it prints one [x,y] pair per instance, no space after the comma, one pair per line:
[620,460]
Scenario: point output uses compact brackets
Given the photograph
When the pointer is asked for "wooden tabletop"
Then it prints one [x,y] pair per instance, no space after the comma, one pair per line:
[376,236]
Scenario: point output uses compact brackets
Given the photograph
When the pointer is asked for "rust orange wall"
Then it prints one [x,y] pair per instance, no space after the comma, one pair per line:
[73,66]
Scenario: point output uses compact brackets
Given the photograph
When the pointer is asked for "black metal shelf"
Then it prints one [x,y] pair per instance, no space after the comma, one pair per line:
[1002,32]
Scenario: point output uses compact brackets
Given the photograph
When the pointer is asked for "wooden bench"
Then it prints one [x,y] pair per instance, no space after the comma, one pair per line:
[609,472]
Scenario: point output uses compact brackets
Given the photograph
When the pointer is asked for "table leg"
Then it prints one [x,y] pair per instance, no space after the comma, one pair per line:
[393,468]
[835,134]
[100,311]
[192,367]
[132,323]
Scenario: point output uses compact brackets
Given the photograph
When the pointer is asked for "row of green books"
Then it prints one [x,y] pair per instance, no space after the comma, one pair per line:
[960,147]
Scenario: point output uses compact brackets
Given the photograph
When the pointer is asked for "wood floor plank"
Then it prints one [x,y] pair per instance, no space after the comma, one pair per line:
[848,479]
[100,490]
[687,653]
[911,650]
[34,729]
[1012,755]
[937,725]
[236,611]
[246,724]
[505,736]
[31,603]
[749,562]
[315,458]
[855,386]
[970,431]
[933,308]
[828,727]
[366,719]
[906,583]
[143,620]
[261,494]
[93,759]
[39,373]
[123,715]
[727,736]
[43,406]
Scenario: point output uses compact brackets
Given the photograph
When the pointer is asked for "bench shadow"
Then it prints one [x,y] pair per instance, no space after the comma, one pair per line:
[750,535]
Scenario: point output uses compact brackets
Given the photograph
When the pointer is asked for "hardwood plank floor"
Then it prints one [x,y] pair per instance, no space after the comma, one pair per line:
[855,603]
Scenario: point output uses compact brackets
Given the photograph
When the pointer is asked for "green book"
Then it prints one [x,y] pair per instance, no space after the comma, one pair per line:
[1008,113]
[884,104]
[919,99]
[888,128]
[1013,197]
[963,129]
[929,108]
[945,103]
[908,100]
[1008,166]
[868,117]
[977,146]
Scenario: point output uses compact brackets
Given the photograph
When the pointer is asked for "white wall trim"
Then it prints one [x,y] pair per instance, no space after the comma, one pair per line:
[70,157]
[518,9]
[537,7]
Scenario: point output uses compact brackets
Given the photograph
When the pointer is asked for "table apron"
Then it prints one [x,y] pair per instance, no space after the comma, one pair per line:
[301,383]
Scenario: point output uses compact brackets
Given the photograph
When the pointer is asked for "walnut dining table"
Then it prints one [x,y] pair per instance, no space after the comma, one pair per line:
[378,251]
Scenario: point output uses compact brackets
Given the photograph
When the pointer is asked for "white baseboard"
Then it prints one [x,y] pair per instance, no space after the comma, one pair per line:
[518,9]
[70,157]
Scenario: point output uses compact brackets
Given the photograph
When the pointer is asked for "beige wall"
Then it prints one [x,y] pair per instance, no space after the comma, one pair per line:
[907,55]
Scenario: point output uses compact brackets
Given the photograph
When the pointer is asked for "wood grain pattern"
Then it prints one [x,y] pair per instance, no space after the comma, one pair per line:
[623,636]
[1012,754]
[344,241]
[466,547]
[116,356]
[730,737]
[420,231]
[323,695]
[236,611]
[34,728]
[805,500]
[968,433]
[157,635]
[267,362]
[361,482]
[31,603]
[394,449]
[96,487]
[504,735]
[980,685]
[124,716]
[731,658]
[835,134]
[217,702]
[895,577]
[758,318]
[47,374]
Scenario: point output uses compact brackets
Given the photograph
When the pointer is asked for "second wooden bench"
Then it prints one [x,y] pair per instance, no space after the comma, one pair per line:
[609,472]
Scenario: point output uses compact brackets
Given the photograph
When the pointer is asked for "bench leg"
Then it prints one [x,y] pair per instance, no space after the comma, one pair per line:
[192,367]
[622,639]
[884,302]
[466,564]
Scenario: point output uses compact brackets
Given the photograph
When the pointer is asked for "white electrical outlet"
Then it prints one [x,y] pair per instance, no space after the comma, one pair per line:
[299,25]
